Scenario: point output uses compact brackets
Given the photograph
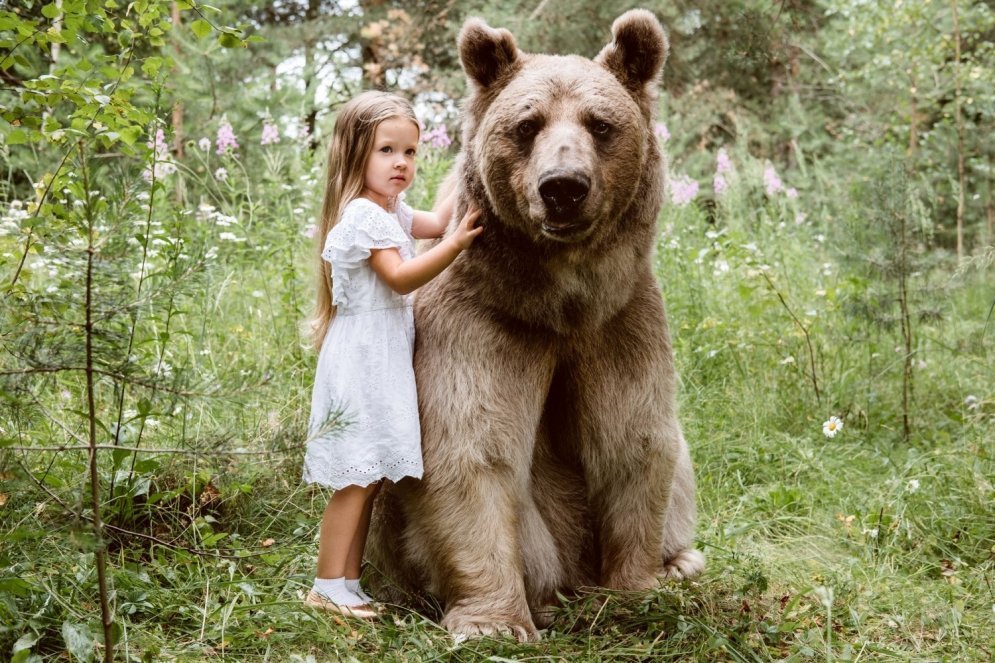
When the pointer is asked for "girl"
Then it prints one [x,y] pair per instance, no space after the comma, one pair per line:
[367,267]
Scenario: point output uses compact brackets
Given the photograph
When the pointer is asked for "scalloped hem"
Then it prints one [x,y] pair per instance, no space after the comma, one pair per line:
[363,480]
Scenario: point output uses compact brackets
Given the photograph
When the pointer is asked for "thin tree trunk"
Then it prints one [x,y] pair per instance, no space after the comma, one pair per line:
[311,77]
[989,212]
[107,617]
[959,121]
[913,121]
[178,136]
[906,318]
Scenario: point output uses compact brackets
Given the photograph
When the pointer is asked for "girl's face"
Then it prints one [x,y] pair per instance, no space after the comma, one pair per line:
[390,167]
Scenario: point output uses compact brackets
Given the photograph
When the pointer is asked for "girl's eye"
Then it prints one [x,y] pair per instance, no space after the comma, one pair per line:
[385,149]
[411,153]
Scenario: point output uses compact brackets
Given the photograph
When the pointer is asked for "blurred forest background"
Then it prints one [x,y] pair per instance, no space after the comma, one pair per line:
[826,251]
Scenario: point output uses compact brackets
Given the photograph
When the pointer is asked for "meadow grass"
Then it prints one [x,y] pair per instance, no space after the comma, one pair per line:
[863,546]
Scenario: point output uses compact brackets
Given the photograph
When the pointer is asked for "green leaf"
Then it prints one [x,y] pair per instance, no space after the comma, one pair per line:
[50,10]
[79,641]
[25,642]
[201,28]
[229,40]
[17,137]
[131,134]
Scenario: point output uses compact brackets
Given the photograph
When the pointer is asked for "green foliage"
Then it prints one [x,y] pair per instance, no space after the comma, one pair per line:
[782,283]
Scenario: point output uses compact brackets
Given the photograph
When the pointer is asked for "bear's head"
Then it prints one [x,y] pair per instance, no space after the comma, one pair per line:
[560,146]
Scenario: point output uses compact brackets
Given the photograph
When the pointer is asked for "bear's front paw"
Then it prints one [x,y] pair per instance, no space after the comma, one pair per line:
[464,625]
[685,564]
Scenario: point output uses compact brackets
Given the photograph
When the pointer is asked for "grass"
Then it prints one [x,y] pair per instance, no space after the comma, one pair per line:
[860,547]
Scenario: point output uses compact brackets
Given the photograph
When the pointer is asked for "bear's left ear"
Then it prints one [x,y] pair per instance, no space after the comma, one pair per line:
[638,49]
[488,55]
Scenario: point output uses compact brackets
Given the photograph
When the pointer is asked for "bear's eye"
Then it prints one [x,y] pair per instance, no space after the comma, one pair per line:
[601,128]
[527,129]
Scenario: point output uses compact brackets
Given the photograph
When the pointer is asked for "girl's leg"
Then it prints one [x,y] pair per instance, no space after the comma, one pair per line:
[340,525]
[354,560]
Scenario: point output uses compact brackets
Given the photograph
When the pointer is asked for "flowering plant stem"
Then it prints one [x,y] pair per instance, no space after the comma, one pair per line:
[808,338]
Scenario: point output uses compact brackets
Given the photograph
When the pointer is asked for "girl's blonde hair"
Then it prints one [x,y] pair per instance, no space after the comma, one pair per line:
[352,142]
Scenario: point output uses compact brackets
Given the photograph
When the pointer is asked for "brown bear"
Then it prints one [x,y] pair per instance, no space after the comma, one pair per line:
[553,455]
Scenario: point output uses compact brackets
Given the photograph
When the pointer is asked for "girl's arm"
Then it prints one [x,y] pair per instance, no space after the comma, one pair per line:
[404,276]
[429,225]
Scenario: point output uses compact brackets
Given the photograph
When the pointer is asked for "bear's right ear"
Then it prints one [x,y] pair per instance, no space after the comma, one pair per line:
[488,55]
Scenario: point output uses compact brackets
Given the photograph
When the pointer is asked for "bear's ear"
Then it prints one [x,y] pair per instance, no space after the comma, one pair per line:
[638,49]
[488,55]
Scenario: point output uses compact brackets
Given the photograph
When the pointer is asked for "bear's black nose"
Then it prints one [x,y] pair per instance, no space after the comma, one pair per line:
[564,193]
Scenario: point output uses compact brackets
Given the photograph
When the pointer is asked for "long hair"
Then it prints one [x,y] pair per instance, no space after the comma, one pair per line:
[351,144]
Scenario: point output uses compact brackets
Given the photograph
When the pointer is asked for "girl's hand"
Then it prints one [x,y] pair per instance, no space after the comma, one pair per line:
[465,233]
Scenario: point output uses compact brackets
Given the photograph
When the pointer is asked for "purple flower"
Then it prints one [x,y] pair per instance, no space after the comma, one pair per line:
[661,132]
[271,134]
[723,164]
[772,183]
[162,165]
[683,190]
[792,193]
[719,184]
[225,138]
[437,137]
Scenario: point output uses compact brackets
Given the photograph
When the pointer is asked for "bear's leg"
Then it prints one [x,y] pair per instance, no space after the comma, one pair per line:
[680,560]
[622,387]
[480,398]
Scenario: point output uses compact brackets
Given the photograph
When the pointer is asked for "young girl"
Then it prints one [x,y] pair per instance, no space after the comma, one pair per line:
[364,331]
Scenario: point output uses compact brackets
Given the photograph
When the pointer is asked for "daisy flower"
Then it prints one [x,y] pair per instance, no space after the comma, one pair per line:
[831,427]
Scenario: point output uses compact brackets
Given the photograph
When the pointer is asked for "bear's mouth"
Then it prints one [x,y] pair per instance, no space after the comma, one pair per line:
[561,227]
[564,229]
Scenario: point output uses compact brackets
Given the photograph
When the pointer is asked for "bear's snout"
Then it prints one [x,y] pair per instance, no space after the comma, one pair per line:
[563,193]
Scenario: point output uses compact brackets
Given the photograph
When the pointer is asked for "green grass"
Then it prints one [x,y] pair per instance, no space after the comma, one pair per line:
[860,547]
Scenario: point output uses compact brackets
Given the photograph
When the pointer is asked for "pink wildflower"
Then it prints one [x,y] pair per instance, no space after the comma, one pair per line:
[723,164]
[719,184]
[660,131]
[792,193]
[772,183]
[271,134]
[225,138]
[683,190]
[161,163]
[437,137]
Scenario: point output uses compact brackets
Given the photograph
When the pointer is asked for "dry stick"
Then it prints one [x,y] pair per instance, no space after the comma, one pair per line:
[107,617]
[808,339]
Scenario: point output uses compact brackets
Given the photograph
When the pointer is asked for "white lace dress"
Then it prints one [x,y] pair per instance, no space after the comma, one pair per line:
[365,369]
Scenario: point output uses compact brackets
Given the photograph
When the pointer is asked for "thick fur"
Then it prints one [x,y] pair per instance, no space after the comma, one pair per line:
[553,454]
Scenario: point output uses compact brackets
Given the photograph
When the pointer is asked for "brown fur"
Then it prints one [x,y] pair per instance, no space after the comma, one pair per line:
[553,454]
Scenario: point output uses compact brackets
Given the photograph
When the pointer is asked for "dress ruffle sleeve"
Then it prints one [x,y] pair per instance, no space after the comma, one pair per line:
[363,228]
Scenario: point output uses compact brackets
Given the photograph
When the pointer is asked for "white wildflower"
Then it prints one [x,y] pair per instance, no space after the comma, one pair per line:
[831,427]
